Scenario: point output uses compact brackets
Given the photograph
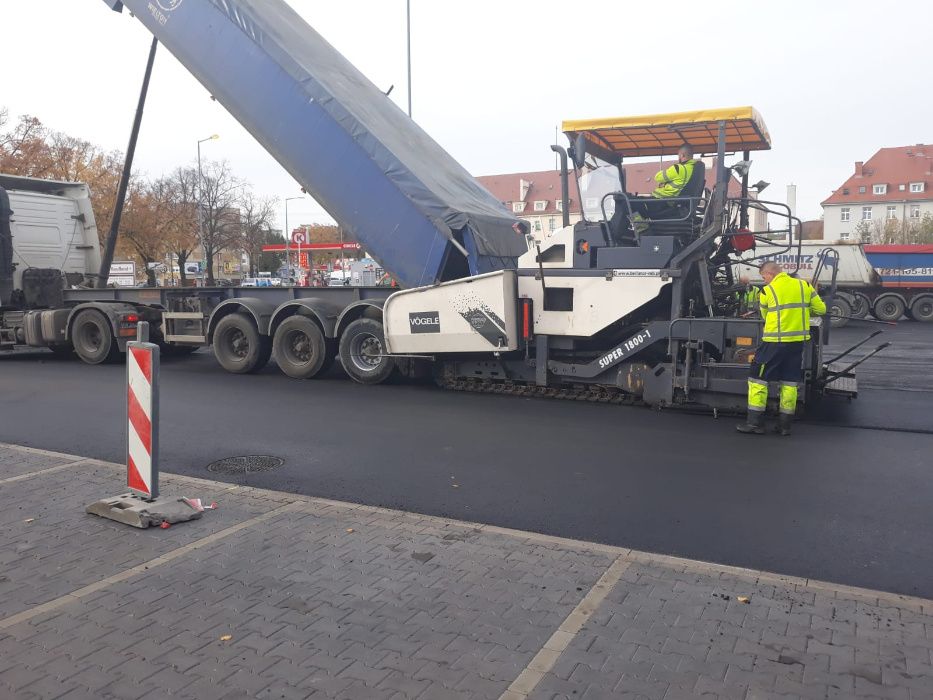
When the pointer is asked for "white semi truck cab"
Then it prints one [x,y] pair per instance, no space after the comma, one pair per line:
[48,243]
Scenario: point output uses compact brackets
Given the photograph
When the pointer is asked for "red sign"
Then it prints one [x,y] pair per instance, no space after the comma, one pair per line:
[300,237]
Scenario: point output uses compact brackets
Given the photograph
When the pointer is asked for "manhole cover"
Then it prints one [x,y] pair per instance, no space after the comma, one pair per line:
[245,465]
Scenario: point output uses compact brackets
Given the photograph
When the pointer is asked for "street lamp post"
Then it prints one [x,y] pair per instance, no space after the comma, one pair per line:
[408,41]
[288,239]
[213,137]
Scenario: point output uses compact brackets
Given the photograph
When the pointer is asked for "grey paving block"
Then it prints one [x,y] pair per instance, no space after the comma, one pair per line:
[62,548]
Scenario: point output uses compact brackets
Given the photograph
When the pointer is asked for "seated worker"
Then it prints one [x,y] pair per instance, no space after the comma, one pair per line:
[671,183]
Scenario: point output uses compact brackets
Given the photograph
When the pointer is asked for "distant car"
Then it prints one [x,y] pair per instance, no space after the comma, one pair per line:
[249,282]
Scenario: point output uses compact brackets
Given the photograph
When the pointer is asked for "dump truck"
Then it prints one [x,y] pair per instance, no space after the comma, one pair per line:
[615,308]
[885,281]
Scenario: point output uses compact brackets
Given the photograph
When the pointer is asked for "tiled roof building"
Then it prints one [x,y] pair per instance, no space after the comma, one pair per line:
[895,183]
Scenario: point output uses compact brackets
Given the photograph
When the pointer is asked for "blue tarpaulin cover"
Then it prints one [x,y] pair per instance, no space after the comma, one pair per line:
[401,195]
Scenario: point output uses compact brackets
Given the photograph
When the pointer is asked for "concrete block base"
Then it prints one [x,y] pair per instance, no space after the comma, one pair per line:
[133,510]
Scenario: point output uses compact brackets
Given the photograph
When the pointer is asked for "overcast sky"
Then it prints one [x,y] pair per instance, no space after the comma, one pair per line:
[833,80]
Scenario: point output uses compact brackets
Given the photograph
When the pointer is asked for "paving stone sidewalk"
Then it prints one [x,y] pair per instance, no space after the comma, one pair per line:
[279,596]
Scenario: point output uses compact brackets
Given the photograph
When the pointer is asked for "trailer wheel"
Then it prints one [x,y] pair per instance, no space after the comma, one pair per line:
[840,310]
[238,346]
[300,349]
[362,352]
[922,308]
[861,305]
[93,339]
[888,307]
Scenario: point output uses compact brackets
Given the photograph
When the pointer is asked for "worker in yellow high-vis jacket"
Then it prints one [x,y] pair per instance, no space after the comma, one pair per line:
[786,304]
[748,297]
[670,183]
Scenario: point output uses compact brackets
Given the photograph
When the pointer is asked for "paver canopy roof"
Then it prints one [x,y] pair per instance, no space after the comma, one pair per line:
[663,134]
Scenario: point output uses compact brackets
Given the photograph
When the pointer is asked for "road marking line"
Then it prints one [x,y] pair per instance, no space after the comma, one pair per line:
[769,577]
[545,659]
[39,472]
[84,591]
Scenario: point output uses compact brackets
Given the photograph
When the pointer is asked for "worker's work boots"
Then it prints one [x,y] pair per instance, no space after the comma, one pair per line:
[783,424]
[753,423]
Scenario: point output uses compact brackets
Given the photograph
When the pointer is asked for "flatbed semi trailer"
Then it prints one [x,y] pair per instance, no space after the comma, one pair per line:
[307,326]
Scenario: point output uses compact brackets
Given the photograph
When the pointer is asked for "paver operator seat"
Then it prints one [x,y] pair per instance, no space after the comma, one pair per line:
[682,216]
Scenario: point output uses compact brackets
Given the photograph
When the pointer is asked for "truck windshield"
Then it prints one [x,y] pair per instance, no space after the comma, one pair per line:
[596,184]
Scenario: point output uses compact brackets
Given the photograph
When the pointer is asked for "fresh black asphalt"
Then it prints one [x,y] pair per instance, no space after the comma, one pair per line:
[845,504]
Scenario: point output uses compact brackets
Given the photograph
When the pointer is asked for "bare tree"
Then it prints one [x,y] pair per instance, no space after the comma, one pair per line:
[910,231]
[182,194]
[256,217]
[220,219]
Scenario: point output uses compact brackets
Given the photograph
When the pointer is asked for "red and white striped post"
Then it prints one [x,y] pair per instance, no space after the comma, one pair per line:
[142,410]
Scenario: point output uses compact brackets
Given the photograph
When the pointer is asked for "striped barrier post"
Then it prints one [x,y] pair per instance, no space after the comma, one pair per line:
[143,506]
[142,410]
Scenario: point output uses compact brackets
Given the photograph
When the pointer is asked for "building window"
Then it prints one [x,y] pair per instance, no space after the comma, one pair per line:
[845,236]
[861,190]
[845,190]
[916,187]
[866,213]
[892,212]
[914,211]
[879,189]
[540,205]
[559,204]
[537,224]
[844,214]
[518,207]
[552,224]
[902,187]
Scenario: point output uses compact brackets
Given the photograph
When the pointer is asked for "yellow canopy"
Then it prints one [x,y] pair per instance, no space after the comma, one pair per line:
[663,134]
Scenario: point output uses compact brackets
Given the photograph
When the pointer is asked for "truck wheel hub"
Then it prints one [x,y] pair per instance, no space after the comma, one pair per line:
[367,352]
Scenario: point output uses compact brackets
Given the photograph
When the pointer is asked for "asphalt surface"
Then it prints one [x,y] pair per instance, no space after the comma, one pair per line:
[834,502]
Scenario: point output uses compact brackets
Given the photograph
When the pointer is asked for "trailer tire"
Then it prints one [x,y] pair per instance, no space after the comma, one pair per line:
[861,305]
[300,349]
[238,346]
[362,348]
[840,311]
[922,308]
[888,307]
[93,339]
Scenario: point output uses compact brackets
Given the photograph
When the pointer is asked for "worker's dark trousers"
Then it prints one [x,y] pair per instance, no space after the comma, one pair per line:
[654,209]
[775,362]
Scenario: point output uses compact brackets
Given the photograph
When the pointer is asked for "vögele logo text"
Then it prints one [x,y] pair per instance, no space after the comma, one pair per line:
[424,322]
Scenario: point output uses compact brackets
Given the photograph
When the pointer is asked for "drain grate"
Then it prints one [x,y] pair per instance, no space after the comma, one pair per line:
[247,464]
